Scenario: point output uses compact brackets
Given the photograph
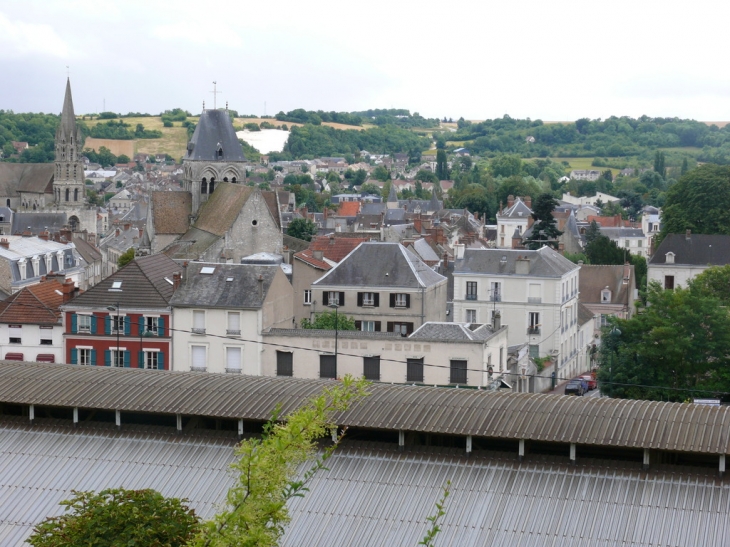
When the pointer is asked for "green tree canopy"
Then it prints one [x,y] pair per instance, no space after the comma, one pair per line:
[679,347]
[699,201]
[326,321]
[125,258]
[604,251]
[713,282]
[545,229]
[118,517]
[302,228]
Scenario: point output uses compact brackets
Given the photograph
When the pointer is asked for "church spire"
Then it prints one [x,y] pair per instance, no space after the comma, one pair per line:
[68,119]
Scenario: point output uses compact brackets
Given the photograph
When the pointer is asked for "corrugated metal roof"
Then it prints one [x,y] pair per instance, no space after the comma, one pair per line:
[381,497]
[587,421]
[40,466]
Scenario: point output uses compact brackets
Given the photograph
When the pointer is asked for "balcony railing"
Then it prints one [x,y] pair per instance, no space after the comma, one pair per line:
[496,298]
[533,330]
[230,332]
[471,296]
[198,330]
[198,369]
[534,300]
[233,370]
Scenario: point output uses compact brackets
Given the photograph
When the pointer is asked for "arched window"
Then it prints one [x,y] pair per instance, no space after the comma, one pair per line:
[233,180]
[225,179]
[67,194]
[204,186]
[220,152]
[212,185]
[76,194]
[8,203]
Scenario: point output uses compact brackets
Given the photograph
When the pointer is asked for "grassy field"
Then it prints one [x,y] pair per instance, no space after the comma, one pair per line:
[117,147]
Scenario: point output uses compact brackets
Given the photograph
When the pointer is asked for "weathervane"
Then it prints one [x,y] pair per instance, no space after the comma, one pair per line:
[214,92]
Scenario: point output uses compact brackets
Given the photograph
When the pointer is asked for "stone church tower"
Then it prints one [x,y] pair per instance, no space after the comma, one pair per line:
[213,155]
[68,176]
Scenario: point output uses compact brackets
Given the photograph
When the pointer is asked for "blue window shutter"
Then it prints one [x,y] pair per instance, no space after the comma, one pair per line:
[140,362]
[127,359]
[127,325]
[108,325]
[107,357]
[93,324]
[74,356]
[161,360]
[160,326]
[140,325]
[74,323]
[93,357]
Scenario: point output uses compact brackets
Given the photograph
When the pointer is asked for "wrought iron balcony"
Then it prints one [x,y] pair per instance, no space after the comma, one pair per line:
[198,330]
[533,330]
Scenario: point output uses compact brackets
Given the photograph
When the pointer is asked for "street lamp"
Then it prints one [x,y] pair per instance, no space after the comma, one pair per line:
[116,355]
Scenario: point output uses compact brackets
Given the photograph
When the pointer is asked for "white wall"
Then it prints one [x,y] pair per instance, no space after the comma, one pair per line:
[30,336]
[682,273]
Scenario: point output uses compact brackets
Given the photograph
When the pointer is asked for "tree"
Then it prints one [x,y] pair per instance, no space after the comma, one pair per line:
[685,167]
[604,251]
[256,513]
[679,347]
[123,158]
[506,166]
[592,232]
[326,321]
[381,173]
[426,176]
[699,201]
[118,517]
[659,167]
[442,168]
[545,229]
[125,258]
[302,228]
[714,282]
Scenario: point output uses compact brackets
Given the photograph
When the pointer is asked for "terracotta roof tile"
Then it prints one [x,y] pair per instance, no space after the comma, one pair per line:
[171,211]
[336,248]
[307,256]
[37,305]
[348,209]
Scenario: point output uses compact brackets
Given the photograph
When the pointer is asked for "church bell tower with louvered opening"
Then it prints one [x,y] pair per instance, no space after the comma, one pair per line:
[68,176]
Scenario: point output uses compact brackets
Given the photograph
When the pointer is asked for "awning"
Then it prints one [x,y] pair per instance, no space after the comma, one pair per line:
[14,357]
[46,358]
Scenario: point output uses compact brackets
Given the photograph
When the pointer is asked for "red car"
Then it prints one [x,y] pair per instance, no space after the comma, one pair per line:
[590,380]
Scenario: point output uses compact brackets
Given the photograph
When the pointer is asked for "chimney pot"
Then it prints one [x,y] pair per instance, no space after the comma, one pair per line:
[176,280]
[4,243]
[497,321]
[688,235]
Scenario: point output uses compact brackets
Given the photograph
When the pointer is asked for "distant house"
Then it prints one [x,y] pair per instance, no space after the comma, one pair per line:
[608,291]
[513,221]
[631,239]
[583,174]
[681,257]
[25,260]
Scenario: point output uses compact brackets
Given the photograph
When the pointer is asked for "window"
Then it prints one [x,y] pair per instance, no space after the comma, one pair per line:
[496,291]
[403,328]
[414,370]
[84,356]
[669,282]
[534,293]
[534,351]
[639,243]
[604,319]
[198,322]
[15,333]
[234,324]
[307,297]
[606,296]
[151,325]
[153,360]
[84,323]
[368,299]
[284,365]
[327,366]
[233,360]
[400,300]
[198,361]
[471,290]
[333,298]
[627,243]
[458,371]
[46,341]
[534,323]
[117,323]
[471,316]
[367,326]
[371,368]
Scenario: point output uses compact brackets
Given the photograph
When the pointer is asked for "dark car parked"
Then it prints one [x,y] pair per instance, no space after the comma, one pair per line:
[575,387]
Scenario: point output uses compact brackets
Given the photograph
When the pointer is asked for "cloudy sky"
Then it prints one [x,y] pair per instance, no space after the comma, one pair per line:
[558,60]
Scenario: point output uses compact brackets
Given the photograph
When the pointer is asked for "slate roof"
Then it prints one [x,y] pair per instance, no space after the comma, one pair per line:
[615,233]
[193,244]
[377,264]
[218,214]
[143,285]
[35,305]
[270,199]
[593,279]
[26,177]
[424,205]
[170,211]
[394,216]
[545,262]
[38,222]
[457,332]
[518,210]
[216,291]
[214,129]
[294,243]
[584,314]
[425,251]
[87,251]
[698,249]
[372,208]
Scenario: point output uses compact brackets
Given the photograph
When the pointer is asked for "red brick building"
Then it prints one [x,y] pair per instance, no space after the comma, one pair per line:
[124,321]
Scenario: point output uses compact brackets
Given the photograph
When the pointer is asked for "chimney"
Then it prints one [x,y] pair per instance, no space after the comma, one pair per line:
[141,232]
[127,226]
[43,236]
[459,251]
[528,201]
[117,232]
[496,321]
[261,286]
[688,235]
[4,243]
[332,239]
[68,290]
[446,259]
[176,280]
[522,266]
[561,247]
[510,201]
[318,255]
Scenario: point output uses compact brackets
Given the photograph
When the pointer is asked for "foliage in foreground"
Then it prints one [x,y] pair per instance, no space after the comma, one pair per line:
[118,517]
[256,511]
[326,321]
[678,347]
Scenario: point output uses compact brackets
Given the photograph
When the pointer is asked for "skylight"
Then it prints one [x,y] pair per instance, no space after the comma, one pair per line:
[116,286]
[207,270]
[229,279]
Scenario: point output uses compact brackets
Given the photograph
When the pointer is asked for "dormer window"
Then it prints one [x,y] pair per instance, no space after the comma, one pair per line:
[606,296]
[219,152]
[669,258]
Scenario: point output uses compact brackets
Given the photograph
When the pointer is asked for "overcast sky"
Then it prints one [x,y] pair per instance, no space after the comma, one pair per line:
[558,60]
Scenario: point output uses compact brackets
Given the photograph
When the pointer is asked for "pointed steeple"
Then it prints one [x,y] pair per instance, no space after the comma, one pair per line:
[434,204]
[68,118]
